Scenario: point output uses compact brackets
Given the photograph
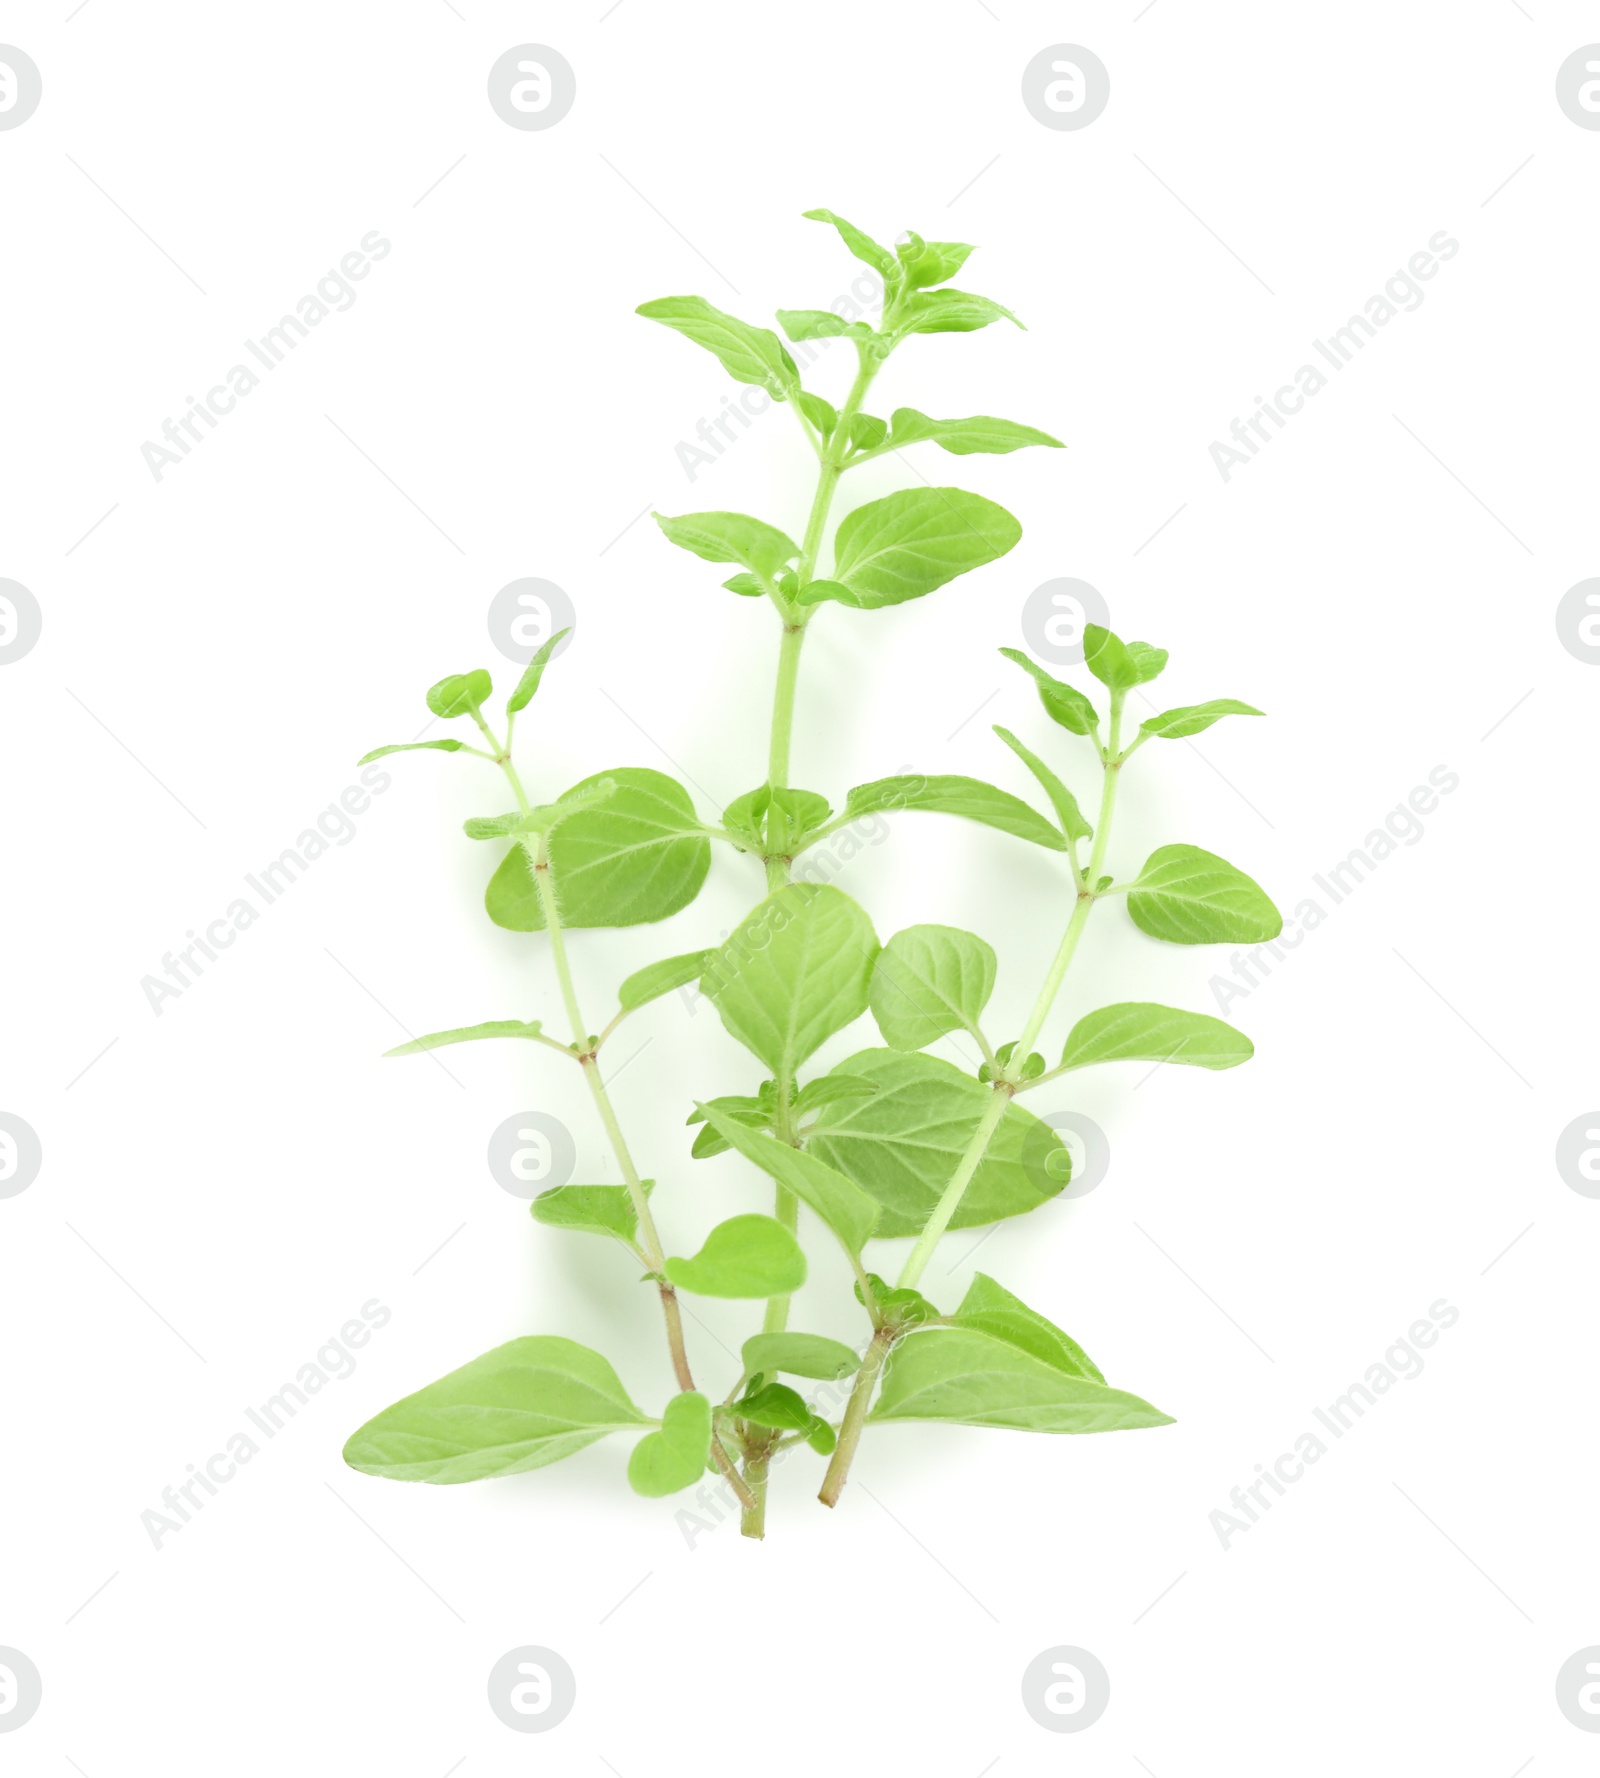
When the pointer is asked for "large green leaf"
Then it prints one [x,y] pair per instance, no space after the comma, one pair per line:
[530,1402]
[962,438]
[748,354]
[1062,800]
[638,856]
[1063,703]
[1191,897]
[902,1144]
[1139,1031]
[793,972]
[842,1205]
[906,544]
[967,1378]
[929,980]
[800,1355]
[1189,719]
[950,311]
[674,1458]
[745,1256]
[436,1040]
[990,1308]
[861,245]
[949,794]
[593,1209]
[731,537]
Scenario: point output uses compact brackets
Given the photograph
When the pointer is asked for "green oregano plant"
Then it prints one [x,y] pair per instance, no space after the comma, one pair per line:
[893,1143]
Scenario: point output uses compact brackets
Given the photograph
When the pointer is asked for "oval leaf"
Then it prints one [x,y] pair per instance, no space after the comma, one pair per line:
[950,794]
[674,1458]
[1189,719]
[748,354]
[901,1145]
[1139,1031]
[745,1256]
[799,1355]
[638,856]
[593,1209]
[731,537]
[794,971]
[843,1206]
[1190,897]
[968,1378]
[906,544]
[457,694]
[929,980]
[656,979]
[525,1404]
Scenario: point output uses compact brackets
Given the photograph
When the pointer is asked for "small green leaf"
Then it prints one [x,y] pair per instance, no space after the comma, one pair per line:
[1190,719]
[820,324]
[746,586]
[901,1145]
[931,262]
[842,1205]
[458,694]
[494,827]
[530,1402]
[656,979]
[861,245]
[1106,657]
[594,1209]
[528,684]
[907,544]
[952,795]
[964,1377]
[411,747]
[436,1040]
[793,972]
[929,980]
[731,537]
[639,855]
[899,1307]
[674,1458]
[1190,897]
[867,432]
[978,433]
[753,355]
[822,414]
[1147,659]
[990,1308]
[746,1256]
[1064,802]
[1139,1031]
[1063,703]
[828,1089]
[800,1355]
[949,311]
[777,1406]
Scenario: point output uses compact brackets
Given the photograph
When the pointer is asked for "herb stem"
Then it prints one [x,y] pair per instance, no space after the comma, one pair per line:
[855,1417]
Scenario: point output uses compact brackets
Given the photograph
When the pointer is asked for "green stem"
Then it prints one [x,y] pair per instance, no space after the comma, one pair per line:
[753,1519]
[950,1199]
[855,1417]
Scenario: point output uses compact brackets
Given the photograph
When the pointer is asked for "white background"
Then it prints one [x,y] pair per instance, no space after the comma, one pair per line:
[244,629]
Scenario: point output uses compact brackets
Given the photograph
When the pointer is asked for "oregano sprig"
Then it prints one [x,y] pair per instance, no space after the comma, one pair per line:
[893,1142]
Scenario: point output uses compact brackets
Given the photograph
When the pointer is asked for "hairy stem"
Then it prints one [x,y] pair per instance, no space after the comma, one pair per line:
[855,1417]
[538,853]
[972,1157]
